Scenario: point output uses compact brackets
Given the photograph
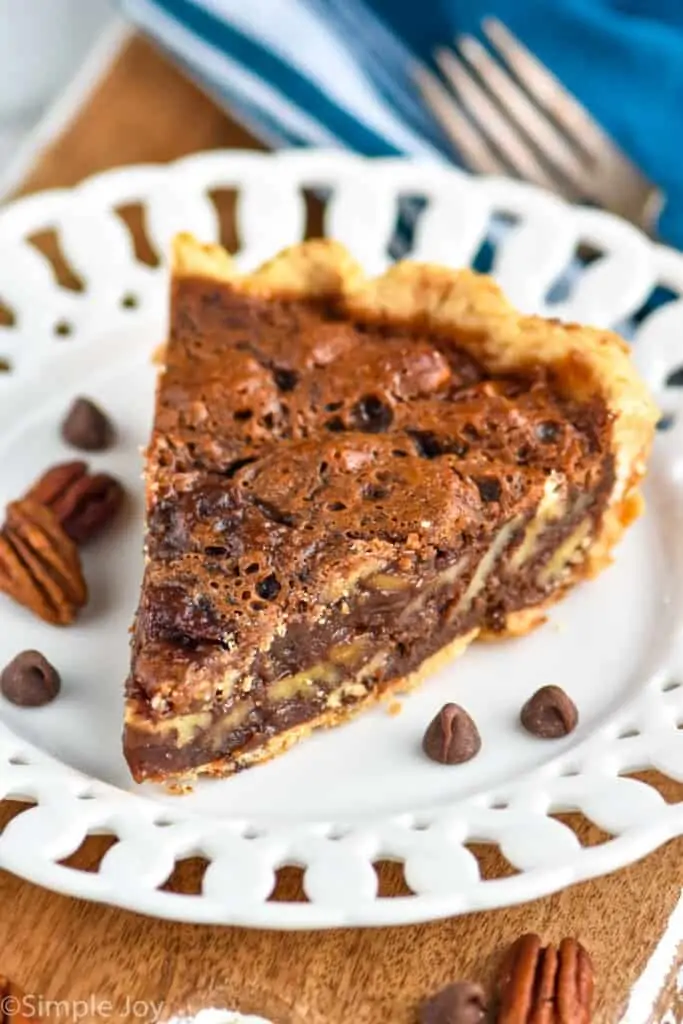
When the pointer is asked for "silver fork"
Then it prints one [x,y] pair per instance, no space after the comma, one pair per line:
[508,114]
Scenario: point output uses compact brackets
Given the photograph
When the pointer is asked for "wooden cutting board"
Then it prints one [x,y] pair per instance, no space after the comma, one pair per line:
[82,961]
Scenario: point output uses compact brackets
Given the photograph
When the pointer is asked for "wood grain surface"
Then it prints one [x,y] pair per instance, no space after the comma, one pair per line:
[75,959]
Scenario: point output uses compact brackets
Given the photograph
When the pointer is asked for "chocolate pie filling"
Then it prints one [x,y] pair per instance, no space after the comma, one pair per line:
[350,479]
[330,503]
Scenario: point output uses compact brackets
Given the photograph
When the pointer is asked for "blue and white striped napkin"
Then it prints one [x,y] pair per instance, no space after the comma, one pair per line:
[337,73]
[288,70]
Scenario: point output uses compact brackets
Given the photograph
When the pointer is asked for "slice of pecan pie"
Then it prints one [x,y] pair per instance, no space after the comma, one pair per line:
[349,479]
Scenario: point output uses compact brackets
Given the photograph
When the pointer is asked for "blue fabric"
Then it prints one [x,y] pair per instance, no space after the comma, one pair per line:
[336,72]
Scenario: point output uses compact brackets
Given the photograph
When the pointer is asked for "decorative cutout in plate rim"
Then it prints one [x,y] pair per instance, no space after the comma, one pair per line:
[342,803]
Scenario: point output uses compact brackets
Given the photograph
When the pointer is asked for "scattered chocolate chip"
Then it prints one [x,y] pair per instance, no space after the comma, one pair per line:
[372,414]
[489,488]
[286,380]
[461,1003]
[86,427]
[452,736]
[30,680]
[549,714]
[268,588]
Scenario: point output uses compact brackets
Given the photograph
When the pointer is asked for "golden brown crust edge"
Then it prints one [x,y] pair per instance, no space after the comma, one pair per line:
[587,362]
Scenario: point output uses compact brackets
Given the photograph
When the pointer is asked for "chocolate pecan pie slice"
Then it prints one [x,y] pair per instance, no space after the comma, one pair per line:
[350,479]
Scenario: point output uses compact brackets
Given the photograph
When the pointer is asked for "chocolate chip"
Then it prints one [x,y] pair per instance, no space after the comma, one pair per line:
[451,737]
[548,432]
[86,427]
[335,425]
[429,446]
[549,714]
[373,492]
[286,380]
[460,1003]
[268,588]
[489,488]
[30,680]
[372,414]
[427,443]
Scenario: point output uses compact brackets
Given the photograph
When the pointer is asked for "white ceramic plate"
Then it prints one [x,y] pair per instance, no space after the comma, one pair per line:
[347,798]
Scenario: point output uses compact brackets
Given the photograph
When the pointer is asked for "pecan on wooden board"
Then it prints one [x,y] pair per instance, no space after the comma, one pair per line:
[551,985]
[84,503]
[39,564]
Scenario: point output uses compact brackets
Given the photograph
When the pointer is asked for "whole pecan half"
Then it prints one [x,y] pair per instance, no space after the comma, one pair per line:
[39,564]
[84,503]
[548,985]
